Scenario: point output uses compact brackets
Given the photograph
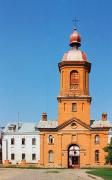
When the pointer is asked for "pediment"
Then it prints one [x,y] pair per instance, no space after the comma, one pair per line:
[73,124]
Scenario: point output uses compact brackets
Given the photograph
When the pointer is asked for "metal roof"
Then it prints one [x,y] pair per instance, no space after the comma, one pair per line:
[21,127]
[101,124]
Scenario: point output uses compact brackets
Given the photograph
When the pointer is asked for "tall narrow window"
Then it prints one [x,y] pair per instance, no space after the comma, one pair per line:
[23,156]
[12,141]
[23,141]
[50,139]
[82,107]
[33,141]
[97,156]
[50,156]
[74,107]
[12,156]
[74,80]
[97,139]
[33,157]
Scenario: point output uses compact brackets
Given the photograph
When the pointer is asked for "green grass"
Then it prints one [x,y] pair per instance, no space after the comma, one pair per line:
[53,171]
[105,173]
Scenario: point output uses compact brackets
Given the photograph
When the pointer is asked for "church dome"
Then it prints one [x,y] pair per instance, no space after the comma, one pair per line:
[74,55]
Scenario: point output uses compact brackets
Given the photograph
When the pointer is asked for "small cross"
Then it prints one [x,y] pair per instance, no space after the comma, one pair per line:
[75,22]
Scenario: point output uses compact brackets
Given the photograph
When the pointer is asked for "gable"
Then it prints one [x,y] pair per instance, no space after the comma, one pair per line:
[73,124]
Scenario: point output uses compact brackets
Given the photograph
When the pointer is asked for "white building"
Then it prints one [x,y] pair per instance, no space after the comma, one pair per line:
[100,124]
[110,135]
[21,141]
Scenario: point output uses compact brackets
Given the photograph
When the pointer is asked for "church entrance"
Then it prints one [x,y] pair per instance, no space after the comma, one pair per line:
[73,156]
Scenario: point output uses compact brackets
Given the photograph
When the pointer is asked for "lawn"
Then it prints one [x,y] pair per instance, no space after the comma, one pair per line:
[52,171]
[105,173]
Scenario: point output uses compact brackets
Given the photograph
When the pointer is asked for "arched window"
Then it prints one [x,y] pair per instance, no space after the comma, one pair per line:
[74,107]
[74,80]
[50,156]
[50,139]
[97,139]
[97,156]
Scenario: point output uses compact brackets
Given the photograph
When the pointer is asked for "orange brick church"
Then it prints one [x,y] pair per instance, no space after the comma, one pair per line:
[73,141]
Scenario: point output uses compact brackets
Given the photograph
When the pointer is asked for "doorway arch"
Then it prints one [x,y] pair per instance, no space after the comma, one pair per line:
[73,156]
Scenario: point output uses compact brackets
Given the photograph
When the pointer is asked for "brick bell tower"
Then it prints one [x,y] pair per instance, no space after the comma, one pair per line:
[74,100]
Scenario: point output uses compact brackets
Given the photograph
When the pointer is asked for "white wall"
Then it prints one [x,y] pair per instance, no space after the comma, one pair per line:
[18,148]
[110,135]
[109,138]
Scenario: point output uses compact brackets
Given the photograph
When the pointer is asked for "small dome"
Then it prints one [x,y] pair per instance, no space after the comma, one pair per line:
[75,39]
[74,55]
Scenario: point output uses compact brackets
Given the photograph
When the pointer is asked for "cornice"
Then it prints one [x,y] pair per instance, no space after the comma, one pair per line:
[89,98]
[75,63]
[100,129]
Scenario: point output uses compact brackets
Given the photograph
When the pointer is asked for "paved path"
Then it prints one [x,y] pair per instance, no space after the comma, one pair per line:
[45,174]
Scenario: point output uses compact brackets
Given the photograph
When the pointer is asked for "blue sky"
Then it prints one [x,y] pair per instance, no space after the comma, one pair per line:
[34,35]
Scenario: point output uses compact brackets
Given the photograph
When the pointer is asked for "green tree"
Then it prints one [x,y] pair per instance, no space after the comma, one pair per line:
[108,149]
